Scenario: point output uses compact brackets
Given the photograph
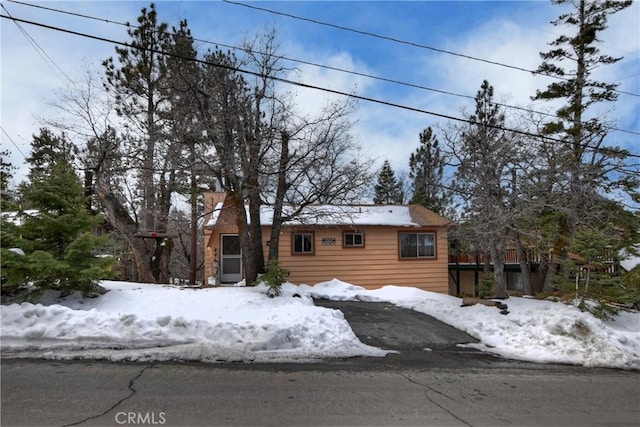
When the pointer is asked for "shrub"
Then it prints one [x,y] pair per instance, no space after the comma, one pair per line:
[485,287]
[275,276]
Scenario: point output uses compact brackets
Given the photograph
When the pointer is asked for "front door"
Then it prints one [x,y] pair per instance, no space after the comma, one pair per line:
[231,268]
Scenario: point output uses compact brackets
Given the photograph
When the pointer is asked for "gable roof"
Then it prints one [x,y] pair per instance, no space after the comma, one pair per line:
[352,215]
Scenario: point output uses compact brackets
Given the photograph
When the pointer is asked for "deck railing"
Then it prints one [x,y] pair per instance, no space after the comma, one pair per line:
[511,257]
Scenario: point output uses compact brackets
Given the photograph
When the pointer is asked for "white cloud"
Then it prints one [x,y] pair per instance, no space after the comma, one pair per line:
[383,132]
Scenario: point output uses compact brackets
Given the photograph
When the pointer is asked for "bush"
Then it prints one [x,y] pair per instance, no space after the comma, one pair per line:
[485,287]
[275,276]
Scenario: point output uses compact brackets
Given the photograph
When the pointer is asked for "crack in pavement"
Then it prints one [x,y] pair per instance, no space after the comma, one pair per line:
[115,405]
[426,394]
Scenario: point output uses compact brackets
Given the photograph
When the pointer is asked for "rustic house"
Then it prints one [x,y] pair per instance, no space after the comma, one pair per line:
[366,245]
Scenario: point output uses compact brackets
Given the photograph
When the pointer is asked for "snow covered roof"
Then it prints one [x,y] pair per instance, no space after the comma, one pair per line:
[356,215]
[390,215]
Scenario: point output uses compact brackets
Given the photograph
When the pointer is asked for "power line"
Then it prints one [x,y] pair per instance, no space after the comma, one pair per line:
[408,43]
[13,142]
[308,86]
[356,73]
[39,50]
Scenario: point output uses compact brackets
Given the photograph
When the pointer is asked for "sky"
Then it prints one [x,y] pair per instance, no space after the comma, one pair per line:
[38,63]
[242,324]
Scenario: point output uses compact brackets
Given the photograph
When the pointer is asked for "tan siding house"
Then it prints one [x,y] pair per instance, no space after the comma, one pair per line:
[369,246]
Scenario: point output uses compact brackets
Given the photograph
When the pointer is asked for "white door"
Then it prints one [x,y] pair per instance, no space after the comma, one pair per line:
[231,268]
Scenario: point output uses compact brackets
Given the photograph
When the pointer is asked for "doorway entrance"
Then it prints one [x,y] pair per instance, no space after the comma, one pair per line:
[231,259]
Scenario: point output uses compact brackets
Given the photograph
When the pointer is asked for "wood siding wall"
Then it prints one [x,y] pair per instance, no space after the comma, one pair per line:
[376,264]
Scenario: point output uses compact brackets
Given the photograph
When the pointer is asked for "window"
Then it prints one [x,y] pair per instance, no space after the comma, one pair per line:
[353,239]
[303,243]
[417,245]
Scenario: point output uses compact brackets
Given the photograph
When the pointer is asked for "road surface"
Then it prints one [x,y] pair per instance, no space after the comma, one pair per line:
[42,393]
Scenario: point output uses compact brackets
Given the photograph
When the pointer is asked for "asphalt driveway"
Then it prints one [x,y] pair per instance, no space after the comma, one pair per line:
[417,338]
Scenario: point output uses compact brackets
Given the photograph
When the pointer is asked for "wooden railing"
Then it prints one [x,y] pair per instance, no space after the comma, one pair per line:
[511,257]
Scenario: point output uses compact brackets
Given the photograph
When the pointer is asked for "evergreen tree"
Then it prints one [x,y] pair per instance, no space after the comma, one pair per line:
[588,273]
[426,169]
[486,154]
[46,149]
[581,166]
[7,202]
[58,244]
[388,189]
[137,79]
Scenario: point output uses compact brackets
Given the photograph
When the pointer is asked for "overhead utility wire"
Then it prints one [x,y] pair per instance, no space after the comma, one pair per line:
[13,142]
[39,50]
[342,70]
[408,43]
[328,67]
[308,86]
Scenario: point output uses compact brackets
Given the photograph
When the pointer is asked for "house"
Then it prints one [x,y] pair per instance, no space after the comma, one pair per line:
[467,269]
[366,245]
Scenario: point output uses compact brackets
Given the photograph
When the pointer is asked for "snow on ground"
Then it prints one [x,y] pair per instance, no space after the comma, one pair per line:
[151,322]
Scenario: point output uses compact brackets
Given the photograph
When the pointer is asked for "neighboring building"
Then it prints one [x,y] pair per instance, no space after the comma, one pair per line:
[467,269]
[367,245]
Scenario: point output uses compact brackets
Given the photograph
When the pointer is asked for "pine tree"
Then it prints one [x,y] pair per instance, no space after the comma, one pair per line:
[7,201]
[137,79]
[57,241]
[388,189]
[426,169]
[48,148]
[582,167]
[486,154]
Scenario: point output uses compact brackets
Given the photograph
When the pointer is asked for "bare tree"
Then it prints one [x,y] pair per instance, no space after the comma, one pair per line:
[267,152]
[318,163]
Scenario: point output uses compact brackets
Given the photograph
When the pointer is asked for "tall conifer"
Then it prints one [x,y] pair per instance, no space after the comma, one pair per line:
[388,189]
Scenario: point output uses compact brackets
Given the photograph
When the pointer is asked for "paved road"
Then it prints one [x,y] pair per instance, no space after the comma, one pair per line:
[43,393]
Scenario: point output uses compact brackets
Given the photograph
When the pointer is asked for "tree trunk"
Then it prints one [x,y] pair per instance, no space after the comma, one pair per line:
[193,255]
[255,233]
[545,272]
[486,255]
[122,221]
[274,240]
[162,249]
[160,260]
[498,257]
[525,266]
[250,272]
[149,202]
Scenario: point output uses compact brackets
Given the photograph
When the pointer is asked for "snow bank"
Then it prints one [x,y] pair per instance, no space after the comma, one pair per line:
[151,322]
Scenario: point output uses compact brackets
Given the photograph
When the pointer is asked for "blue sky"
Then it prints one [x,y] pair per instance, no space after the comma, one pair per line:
[506,32]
